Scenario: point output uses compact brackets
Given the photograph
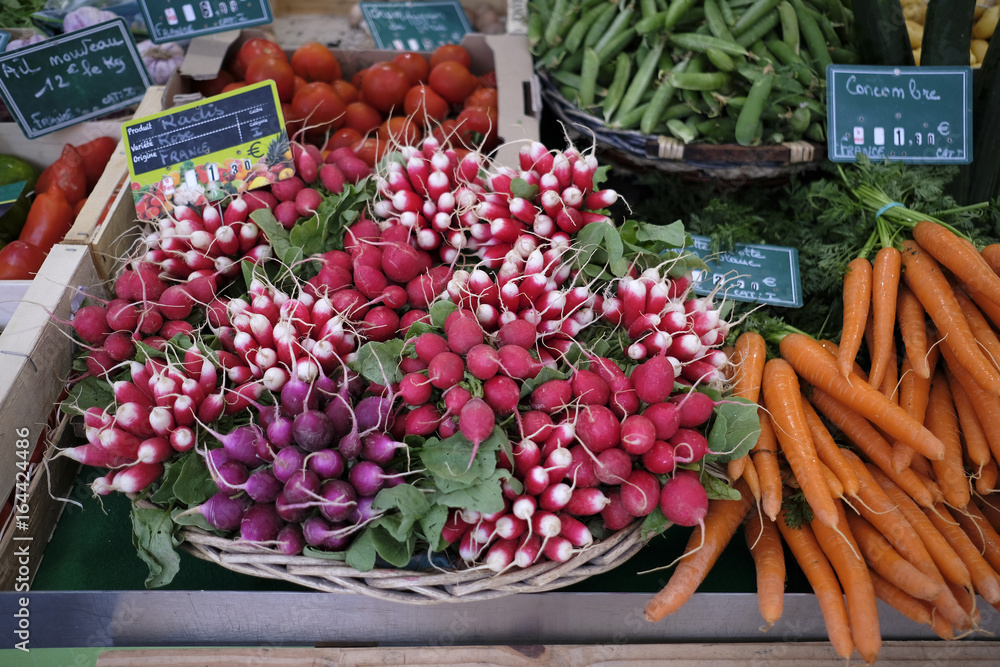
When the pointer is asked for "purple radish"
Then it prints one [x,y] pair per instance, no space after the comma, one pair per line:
[260,523]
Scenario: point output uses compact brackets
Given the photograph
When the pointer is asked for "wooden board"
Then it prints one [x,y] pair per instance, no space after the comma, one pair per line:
[808,654]
[36,350]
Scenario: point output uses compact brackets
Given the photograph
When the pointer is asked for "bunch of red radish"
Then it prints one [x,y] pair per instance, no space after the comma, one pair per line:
[321,442]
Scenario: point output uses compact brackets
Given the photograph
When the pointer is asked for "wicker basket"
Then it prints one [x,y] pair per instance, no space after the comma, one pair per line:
[726,162]
[413,586]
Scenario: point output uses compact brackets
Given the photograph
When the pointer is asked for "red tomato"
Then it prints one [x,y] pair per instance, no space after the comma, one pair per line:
[422,104]
[20,261]
[446,132]
[67,173]
[358,77]
[263,68]
[415,66]
[314,62]
[235,85]
[318,107]
[250,49]
[362,117]
[478,127]
[452,81]
[95,155]
[452,52]
[299,82]
[483,97]
[345,90]
[400,130]
[384,86]
[489,80]
[345,136]
[370,150]
[49,219]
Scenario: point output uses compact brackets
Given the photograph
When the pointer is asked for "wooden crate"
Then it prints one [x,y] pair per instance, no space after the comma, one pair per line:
[36,354]
[283,8]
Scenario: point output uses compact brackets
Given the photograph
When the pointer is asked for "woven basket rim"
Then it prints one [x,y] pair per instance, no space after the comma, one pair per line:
[412,586]
[630,146]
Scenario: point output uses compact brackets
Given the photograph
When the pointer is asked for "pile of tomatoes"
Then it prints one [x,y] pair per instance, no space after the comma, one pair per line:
[401,99]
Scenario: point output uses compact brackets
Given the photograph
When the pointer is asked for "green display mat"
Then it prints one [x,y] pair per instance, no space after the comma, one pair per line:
[91,549]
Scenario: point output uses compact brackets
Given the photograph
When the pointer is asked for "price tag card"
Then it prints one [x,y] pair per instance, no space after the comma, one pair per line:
[4,38]
[173,20]
[207,150]
[415,26]
[750,272]
[72,78]
[9,194]
[907,114]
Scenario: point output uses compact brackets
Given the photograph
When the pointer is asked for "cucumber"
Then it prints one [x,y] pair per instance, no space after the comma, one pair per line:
[947,33]
[880,33]
[980,180]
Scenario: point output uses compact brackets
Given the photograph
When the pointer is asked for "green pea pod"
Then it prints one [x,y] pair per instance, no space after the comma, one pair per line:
[764,56]
[813,37]
[621,22]
[630,120]
[566,78]
[572,62]
[616,45]
[825,26]
[623,68]
[551,59]
[681,130]
[677,9]
[845,56]
[701,43]
[750,115]
[648,8]
[717,130]
[643,76]
[734,105]
[722,60]
[649,24]
[760,29]
[601,24]
[715,21]
[574,38]
[562,13]
[588,78]
[728,15]
[800,119]
[536,28]
[789,25]
[698,80]
[752,15]
[816,132]
[662,96]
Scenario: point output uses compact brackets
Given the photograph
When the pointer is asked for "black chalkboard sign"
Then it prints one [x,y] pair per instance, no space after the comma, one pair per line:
[72,78]
[4,38]
[207,150]
[173,20]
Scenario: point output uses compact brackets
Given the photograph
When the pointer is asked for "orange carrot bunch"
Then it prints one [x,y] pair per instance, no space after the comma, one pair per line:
[898,462]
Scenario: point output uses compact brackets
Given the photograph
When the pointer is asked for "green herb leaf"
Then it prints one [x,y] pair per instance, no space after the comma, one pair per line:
[672,235]
[379,362]
[521,188]
[717,489]
[164,493]
[277,236]
[361,553]
[440,310]
[194,484]
[734,430]
[313,552]
[485,497]
[547,373]
[449,460]
[90,392]
[196,519]
[797,510]
[654,524]
[395,551]
[431,524]
[309,235]
[153,538]
[409,501]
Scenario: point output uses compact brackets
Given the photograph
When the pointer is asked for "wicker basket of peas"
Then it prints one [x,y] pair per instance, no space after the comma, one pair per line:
[732,89]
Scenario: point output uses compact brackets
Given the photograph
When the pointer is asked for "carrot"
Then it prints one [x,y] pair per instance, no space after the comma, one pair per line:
[828,451]
[986,306]
[885,560]
[816,566]
[752,479]
[983,535]
[967,601]
[948,562]
[991,255]
[942,421]
[881,512]
[842,550]
[890,379]
[783,401]
[817,366]
[907,605]
[924,278]
[959,256]
[986,480]
[749,355]
[990,511]
[875,447]
[857,301]
[885,284]
[984,578]
[912,330]
[913,392]
[977,446]
[980,327]
[764,541]
[986,405]
[765,460]
[702,550]
[833,484]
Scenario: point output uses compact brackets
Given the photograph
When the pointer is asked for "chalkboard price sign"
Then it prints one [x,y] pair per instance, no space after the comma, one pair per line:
[906,114]
[173,20]
[750,272]
[415,26]
[72,78]
[4,38]
[207,150]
